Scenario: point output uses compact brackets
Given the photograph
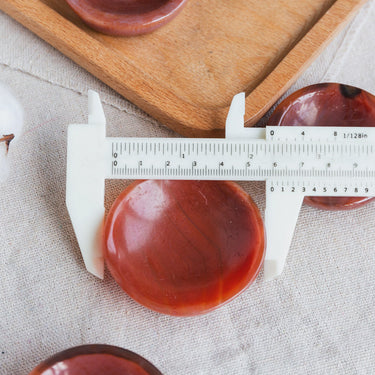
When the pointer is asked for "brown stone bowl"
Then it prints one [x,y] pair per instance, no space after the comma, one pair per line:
[95,359]
[328,104]
[184,247]
[126,17]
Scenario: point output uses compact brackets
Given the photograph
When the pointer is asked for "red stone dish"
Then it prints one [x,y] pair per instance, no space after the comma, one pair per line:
[184,247]
[126,17]
[96,360]
[328,104]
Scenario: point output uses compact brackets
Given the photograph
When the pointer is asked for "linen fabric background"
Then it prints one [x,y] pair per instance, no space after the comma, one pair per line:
[317,318]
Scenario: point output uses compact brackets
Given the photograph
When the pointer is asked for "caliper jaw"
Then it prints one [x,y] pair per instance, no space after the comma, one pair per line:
[85,184]
[281,215]
[282,209]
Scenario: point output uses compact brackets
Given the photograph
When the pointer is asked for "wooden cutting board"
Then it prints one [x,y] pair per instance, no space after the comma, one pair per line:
[186,73]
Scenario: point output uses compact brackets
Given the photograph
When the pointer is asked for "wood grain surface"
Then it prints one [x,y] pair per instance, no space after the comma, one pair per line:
[186,73]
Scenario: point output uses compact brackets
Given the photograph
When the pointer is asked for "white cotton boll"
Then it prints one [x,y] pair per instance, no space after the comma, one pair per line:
[11,124]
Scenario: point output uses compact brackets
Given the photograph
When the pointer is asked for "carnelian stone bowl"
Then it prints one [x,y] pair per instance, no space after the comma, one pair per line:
[126,17]
[95,360]
[184,247]
[328,104]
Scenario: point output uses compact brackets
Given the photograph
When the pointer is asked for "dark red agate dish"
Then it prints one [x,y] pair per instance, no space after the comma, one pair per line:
[183,247]
[96,360]
[328,104]
[126,17]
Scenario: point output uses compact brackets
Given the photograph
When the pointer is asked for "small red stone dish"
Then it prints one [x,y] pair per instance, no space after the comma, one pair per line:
[184,247]
[126,17]
[328,104]
[96,360]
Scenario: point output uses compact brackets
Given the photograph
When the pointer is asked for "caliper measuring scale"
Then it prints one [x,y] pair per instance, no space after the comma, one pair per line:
[293,161]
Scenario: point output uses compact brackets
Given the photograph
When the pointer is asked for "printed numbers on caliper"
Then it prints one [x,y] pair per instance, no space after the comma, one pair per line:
[323,190]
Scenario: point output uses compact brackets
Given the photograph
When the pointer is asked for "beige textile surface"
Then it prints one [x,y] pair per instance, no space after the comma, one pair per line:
[317,318]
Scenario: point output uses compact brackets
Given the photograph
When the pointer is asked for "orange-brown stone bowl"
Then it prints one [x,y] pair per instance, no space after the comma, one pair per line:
[126,17]
[184,247]
[96,359]
[328,104]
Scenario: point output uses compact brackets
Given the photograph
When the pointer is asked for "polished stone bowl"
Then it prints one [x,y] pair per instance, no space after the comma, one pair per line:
[184,247]
[126,17]
[328,104]
[95,359]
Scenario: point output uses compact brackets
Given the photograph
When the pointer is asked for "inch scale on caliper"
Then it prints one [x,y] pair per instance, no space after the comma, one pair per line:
[294,161]
[222,159]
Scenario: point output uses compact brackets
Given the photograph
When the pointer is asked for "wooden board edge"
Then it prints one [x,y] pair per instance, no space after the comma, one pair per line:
[265,95]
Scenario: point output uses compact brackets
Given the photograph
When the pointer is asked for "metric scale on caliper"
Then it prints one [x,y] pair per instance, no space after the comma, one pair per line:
[294,161]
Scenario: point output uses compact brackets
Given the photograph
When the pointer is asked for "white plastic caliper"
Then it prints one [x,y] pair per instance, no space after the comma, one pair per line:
[294,161]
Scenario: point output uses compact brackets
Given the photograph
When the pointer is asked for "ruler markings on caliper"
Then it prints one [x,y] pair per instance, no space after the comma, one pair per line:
[261,160]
